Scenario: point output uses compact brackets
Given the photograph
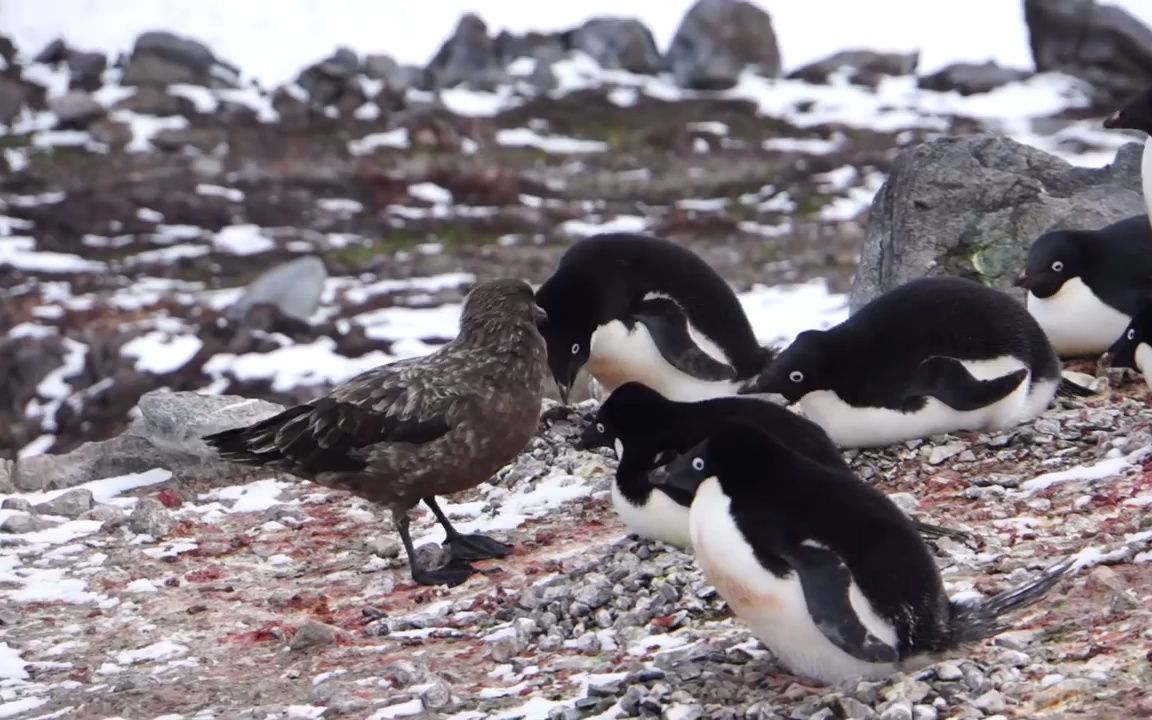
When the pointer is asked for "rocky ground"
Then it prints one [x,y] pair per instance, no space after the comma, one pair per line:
[142,200]
[277,599]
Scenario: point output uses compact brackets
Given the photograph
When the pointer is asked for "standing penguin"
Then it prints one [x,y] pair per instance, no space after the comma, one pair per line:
[634,307]
[825,570]
[1084,286]
[1137,115]
[934,355]
[1133,349]
[647,430]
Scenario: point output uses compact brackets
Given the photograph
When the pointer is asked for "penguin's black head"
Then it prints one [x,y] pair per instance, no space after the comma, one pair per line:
[631,410]
[1122,353]
[1055,258]
[1136,115]
[737,454]
[796,371]
[571,300]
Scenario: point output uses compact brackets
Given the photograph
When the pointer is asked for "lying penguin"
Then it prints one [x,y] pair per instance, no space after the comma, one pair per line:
[1133,349]
[825,570]
[1084,286]
[648,430]
[1137,115]
[934,355]
[634,307]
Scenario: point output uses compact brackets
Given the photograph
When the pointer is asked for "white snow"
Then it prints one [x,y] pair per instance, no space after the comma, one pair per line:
[294,365]
[404,709]
[1113,464]
[11,664]
[251,497]
[21,253]
[103,490]
[227,193]
[160,352]
[368,144]
[242,240]
[524,137]
[162,650]
[142,585]
[778,314]
[620,223]
[430,193]
[23,705]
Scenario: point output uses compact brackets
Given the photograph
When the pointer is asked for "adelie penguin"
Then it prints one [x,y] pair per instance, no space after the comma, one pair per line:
[1137,115]
[825,570]
[1133,349]
[1084,286]
[648,430]
[634,307]
[934,355]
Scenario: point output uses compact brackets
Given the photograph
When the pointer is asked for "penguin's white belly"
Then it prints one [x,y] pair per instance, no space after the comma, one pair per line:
[1076,321]
[660,518]
[619,354]
[1144,362]
[851,426]
[774,608]
[1146,174]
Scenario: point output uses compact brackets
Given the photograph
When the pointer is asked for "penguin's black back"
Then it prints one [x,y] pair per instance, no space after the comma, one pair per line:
[876,350]
[780,488]
[621,268]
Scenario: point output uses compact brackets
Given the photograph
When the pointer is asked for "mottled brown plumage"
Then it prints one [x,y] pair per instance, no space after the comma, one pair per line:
[425,426]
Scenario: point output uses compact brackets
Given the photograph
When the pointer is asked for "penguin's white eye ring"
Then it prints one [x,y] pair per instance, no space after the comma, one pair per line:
[1057,266]
[1132,333]
[698,464]
[796,376]
[600,427]
[575,348]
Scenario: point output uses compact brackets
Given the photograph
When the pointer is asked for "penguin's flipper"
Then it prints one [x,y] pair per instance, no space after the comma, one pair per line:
[826,580]
[668,327]
[947,380]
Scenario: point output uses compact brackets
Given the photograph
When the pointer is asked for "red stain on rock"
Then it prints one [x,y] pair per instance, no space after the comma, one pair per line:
[169,499]
[212,572]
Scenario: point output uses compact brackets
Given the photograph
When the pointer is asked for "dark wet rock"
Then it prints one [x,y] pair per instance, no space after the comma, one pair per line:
[163,58]
[972,78]
[971,206]
[1102,44]
[294,288]
[859,67]
[7,50]
[86,70]
[396,77]
[467,58]
[26,362]
[76,109]
[56,51]
[618,43]
[148,100]
[109,515]
[150,517]
[70,504]
[333,82]
[717,40]
[16,503]
[204,139]
[12,96]
[545,48]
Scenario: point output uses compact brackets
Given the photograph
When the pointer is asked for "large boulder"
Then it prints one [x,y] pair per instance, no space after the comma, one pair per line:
[467,58]
[858,67]
[972,205]
[717,40]
[332,82]
[1101,44]
[618,43]
[162,59]
[165,435]
[293,287]
[13,93]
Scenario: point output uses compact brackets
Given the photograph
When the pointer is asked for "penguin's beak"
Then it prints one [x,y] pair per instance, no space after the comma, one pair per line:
[540,316]
[1021,280]
[1112,122]
[563,390]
